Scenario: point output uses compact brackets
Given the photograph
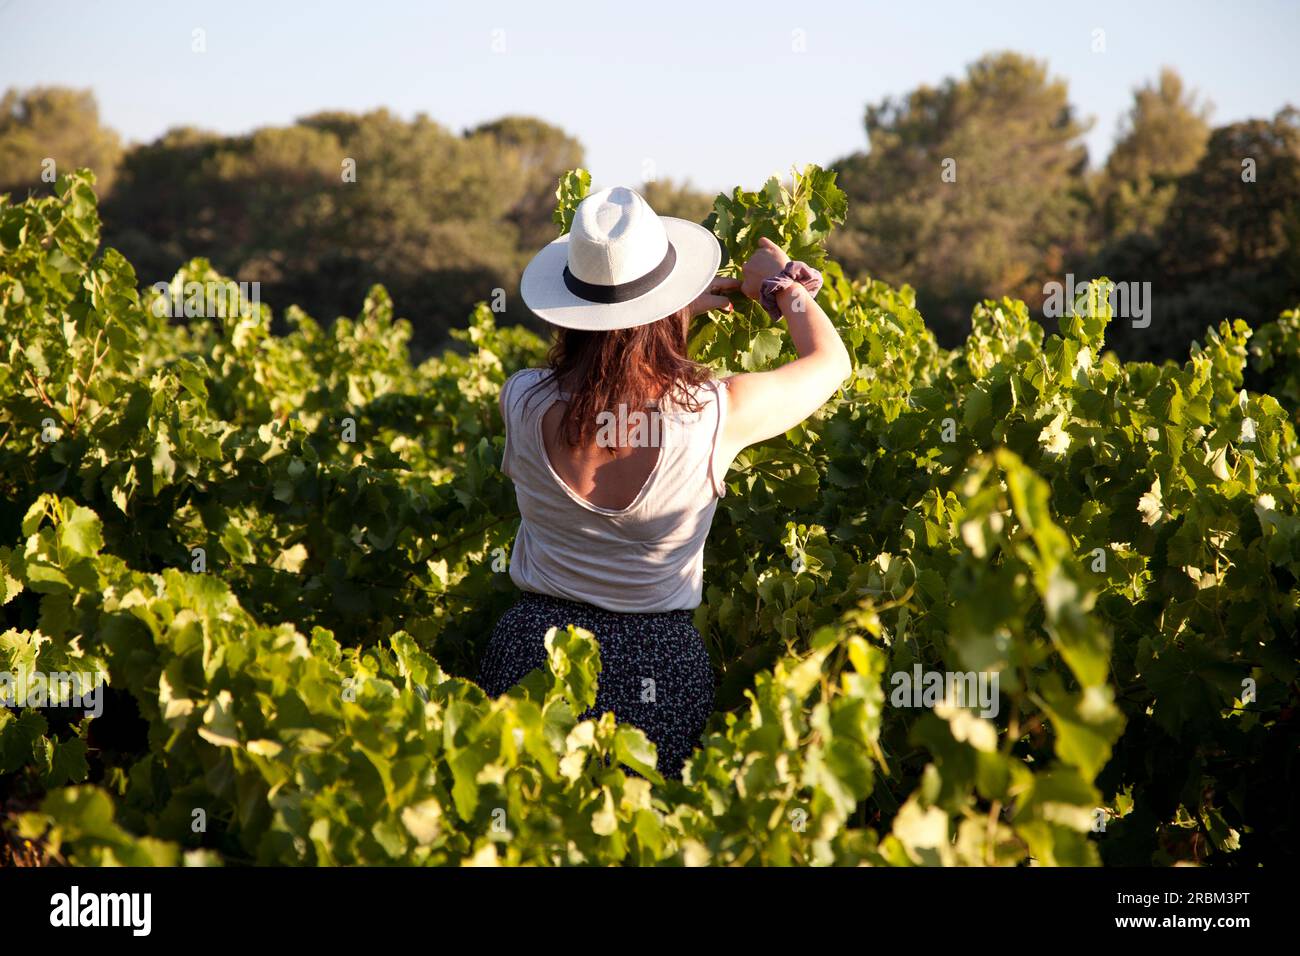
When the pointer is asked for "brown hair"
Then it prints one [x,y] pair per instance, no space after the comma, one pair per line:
[630,367]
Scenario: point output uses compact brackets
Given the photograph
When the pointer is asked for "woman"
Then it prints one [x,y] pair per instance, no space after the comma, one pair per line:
[619,447]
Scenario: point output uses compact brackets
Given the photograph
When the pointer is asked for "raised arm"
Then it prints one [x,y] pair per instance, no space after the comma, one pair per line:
[766,404]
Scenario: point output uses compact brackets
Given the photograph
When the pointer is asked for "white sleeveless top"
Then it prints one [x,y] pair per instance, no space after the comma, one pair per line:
[643,558]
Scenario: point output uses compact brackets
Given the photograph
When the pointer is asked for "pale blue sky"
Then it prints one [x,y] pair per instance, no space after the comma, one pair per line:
[697,89]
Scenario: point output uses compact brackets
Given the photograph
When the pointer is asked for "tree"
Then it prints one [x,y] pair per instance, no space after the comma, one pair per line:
[971,189]
[680,200]
[1161,138]
[52,123]
[543,152]
[1229,244]
[320,210]
[1237,208]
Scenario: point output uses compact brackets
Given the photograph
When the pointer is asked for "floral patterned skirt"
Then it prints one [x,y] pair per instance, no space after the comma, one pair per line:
[655,672]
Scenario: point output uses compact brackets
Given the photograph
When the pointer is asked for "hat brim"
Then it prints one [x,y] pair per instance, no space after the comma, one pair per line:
[542,286]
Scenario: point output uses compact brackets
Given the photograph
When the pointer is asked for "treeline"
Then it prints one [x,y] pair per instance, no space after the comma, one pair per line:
[982,187]
[318,211]
[978,187]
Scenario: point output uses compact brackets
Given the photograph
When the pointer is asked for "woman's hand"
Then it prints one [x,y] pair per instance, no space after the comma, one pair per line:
[768,259]
[714,297]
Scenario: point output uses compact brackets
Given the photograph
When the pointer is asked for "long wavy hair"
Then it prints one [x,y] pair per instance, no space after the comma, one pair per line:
[630,367]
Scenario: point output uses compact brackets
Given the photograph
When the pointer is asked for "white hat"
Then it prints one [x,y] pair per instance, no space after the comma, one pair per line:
[620,266]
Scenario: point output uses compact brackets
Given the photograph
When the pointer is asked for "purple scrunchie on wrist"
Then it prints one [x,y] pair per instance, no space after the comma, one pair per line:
[793,272]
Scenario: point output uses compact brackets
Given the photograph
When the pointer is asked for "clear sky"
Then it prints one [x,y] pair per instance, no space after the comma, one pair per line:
[710,92]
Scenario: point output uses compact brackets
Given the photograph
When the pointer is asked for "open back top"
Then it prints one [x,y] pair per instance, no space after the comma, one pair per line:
[646,557]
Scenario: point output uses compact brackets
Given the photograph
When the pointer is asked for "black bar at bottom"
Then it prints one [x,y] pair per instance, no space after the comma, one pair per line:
[336,905]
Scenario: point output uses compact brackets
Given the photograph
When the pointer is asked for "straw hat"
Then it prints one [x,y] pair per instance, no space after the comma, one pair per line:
[620,266]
